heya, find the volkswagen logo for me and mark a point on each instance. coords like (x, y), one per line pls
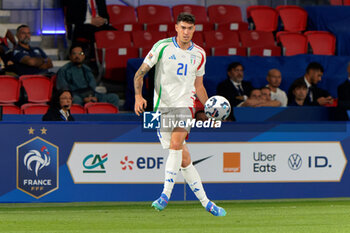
(294, 161)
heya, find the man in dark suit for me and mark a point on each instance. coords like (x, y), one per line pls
(234, 88)
(315, 95)
(344, 97)
(86, 17)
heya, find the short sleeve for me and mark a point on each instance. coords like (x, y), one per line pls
(154, 54)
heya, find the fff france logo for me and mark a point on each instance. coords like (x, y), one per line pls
(37, 167)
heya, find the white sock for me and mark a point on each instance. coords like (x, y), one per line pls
(194, 181)
(172, 168)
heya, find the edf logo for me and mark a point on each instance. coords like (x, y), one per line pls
(37, 167)
(142, 163)
(151, 120)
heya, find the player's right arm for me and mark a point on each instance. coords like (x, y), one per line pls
(140, 102)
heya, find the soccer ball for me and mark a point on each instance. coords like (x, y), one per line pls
(217, 107)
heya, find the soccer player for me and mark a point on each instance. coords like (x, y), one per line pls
(178, 77)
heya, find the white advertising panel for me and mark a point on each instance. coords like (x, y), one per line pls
(215, 162)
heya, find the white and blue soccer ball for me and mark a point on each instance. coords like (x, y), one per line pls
(217, 107)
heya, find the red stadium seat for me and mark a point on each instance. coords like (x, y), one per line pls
(146, 39)
(321, 42)
(229, 51)
(294, 18)
(265, 19)
(10, 109)
(160, 27)
(224, 43)
(199, 12)
(153, 14)
(120, 14)
(77, 109)
(29, 109)
(237, 26)
(114, 62)
(259, 43)
(293, 43)
(253, 7)
(37, 87)
(129, 27)
(112, 39)
(9, 89)
(217, 39)
(100, 108)
(224, 14)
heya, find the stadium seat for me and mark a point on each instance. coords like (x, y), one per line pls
(9, 89)
(293, 43)
(153, 14)
(120, 14)
(123, 18)
(112, 39)
(217, 38)
(30, 108)
(144, 40)
(160, 27)
(77, 109)
(223, 43)
(264, 18)
(224, 14)
(10, 109)
(237, 26)
(199, 12)
(229, 51)
(340, 2)
(321, 42)
(37, 87)
(253, 7)
(114, 62)
(259, 43)
(100, 108)
(294, 18)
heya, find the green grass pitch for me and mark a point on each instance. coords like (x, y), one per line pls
(307, 215)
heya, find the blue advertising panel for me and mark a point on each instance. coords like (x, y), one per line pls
(121, 161)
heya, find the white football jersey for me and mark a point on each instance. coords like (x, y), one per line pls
(176, 71)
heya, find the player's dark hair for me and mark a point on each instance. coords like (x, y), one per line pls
(314, 66)
(21, 26)
(186, 17)
(233, 65)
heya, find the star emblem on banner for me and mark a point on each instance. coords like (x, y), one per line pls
(43, 130)
(31, 130)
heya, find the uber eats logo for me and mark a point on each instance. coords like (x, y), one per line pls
(95, 163)
(264, 162)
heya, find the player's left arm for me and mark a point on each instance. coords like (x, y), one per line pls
(200, 90)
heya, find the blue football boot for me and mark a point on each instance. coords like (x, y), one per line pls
(214, 209)
(161, 202)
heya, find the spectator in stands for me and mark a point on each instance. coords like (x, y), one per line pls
(234, 88)
(60, 107)
(27, 59)
(315, 95)
(5, 52)
(260, 98)
(274, 79)
(344, 97)
(299, 91)
(85, 17)
(78, 78)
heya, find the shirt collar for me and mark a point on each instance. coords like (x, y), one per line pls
(307, 83)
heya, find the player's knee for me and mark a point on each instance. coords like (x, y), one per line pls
(174, 145)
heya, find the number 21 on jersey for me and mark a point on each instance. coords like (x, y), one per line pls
(182, 69)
